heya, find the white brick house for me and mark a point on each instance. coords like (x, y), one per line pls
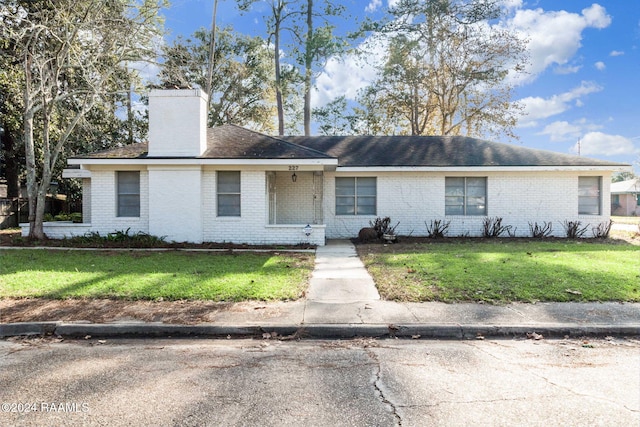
(229, 184)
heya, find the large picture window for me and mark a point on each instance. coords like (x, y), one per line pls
(228, 190)
(589, 195)
(465, 196)
(356, 196)
(128, 185)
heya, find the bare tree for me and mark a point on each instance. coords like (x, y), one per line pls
(71, 53)
(447, 67)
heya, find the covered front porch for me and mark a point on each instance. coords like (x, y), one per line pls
(294, 205)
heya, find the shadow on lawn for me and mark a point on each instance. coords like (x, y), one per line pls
(505, 271)
(152, 275)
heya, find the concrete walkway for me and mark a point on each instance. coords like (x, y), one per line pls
(339, 275)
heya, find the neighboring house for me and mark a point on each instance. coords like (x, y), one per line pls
(229, 184)
(625, 197)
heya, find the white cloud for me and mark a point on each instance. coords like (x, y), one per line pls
(341, 77)
(616, 53)
(565, 131)
(600, 66)
(512, 4)
(373, 6)
(598, 143)
(347, 75)
(567, 69)
(540, 108)
(554, 36)
(562, 131)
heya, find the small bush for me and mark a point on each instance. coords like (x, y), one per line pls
(601, 231)
(118, 239)
(75, 217)
(367, 234)
(437, 229)
(574, 229)
(541, 231)
(492, 227)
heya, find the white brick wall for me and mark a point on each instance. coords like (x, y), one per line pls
(517, 197)
(412, 198)
(104, 217)
(175, 197)
(252, 226)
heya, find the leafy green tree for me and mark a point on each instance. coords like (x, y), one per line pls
(320, 43)
(302, 32)
(334, 118)
(71, 54)
(241, 79)
(10, 141)
(281, 12)
(622, 176)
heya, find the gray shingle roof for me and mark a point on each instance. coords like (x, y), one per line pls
(234, 142)
(226, 142)
(436, 151)
(131, 151)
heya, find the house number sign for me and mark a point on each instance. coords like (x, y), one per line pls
(293, 168)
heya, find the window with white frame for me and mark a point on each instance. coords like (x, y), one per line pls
(356, 196)
(228, 190)
(128, 193)
(589, 190)
(465, 196)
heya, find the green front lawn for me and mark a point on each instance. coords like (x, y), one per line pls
(505, 270)
(153, 275)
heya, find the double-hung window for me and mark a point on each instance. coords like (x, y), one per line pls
(589, 190)
(465, 196)
(228, 190)
(356, 196)
(128, 190)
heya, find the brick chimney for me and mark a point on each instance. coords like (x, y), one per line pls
(177, 122)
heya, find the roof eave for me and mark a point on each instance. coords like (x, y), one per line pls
(544, 168)
(201, 161)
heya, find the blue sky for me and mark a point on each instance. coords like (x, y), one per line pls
(583, 81)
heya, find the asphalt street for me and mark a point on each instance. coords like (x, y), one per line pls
(361, 382)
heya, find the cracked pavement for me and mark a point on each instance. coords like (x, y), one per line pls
(363, 382)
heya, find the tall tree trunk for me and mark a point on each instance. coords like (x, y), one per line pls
(212, 54)
(308, 59)
(130, 115)
(29, 153)
(279, 103)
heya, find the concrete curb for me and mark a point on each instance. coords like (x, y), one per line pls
(27, 328)
(314, 331)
